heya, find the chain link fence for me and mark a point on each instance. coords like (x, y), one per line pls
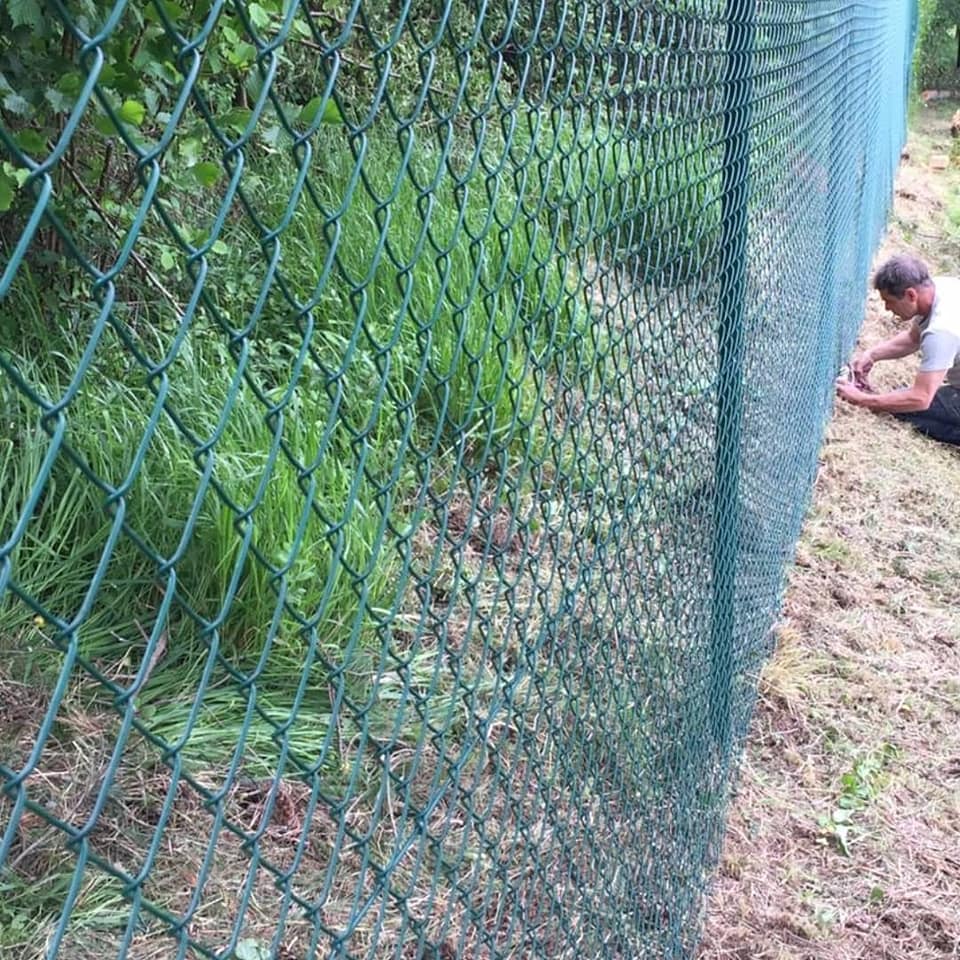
(408, 412)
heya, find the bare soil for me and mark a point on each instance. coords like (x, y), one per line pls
(843, 840)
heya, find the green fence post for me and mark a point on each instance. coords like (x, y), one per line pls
(738, 84)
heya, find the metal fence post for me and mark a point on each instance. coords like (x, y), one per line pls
(738, 91)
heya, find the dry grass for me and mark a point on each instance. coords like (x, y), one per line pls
(866, 677)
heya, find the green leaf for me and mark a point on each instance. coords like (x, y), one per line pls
(18, 105)
(331, 113)
(309, 111)
(173, 10)
(207, 173)
(877, 894)
(191, 149)
(7, 187)
(166, 260)
(236, 120)
(25, 13)
(19, 175)
(60, 101)
(30, 141)
(103, 124)
(127, 80)
(133, 112)
(252, 950)
(258, 16)
(242, 54)
(271, 136)
(253, 84)
(153, 100)
(71, 84)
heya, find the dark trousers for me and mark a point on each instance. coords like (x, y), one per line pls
(941, 420)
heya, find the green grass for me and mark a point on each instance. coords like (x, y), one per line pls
(259, 572)
(269, 495)
(29, 910)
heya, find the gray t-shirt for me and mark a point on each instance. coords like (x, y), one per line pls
(940, 332)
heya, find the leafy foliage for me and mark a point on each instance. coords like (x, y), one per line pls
(100, 106)
(859, 787)
(935, 62)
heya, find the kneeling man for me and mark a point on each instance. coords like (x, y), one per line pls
(931, 306)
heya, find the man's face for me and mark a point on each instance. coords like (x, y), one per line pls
(904, 307)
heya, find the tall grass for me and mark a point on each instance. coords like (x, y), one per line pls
(416, 345)
(267, 464)
(261, 552)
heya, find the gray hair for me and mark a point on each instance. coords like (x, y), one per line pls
(900, 272)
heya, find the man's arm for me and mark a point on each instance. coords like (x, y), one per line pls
(911, 400)
(902, 345)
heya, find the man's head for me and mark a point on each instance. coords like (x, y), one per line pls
(905, 286)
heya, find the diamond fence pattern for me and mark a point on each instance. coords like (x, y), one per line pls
(408, 411)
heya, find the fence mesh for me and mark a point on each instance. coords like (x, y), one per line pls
(408, 411)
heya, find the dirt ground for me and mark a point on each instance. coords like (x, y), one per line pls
(843, 840)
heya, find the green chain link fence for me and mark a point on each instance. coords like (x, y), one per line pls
(408, 411)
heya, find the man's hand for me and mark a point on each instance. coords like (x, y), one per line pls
(848, 391)
(862, 364)
(910, 400)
